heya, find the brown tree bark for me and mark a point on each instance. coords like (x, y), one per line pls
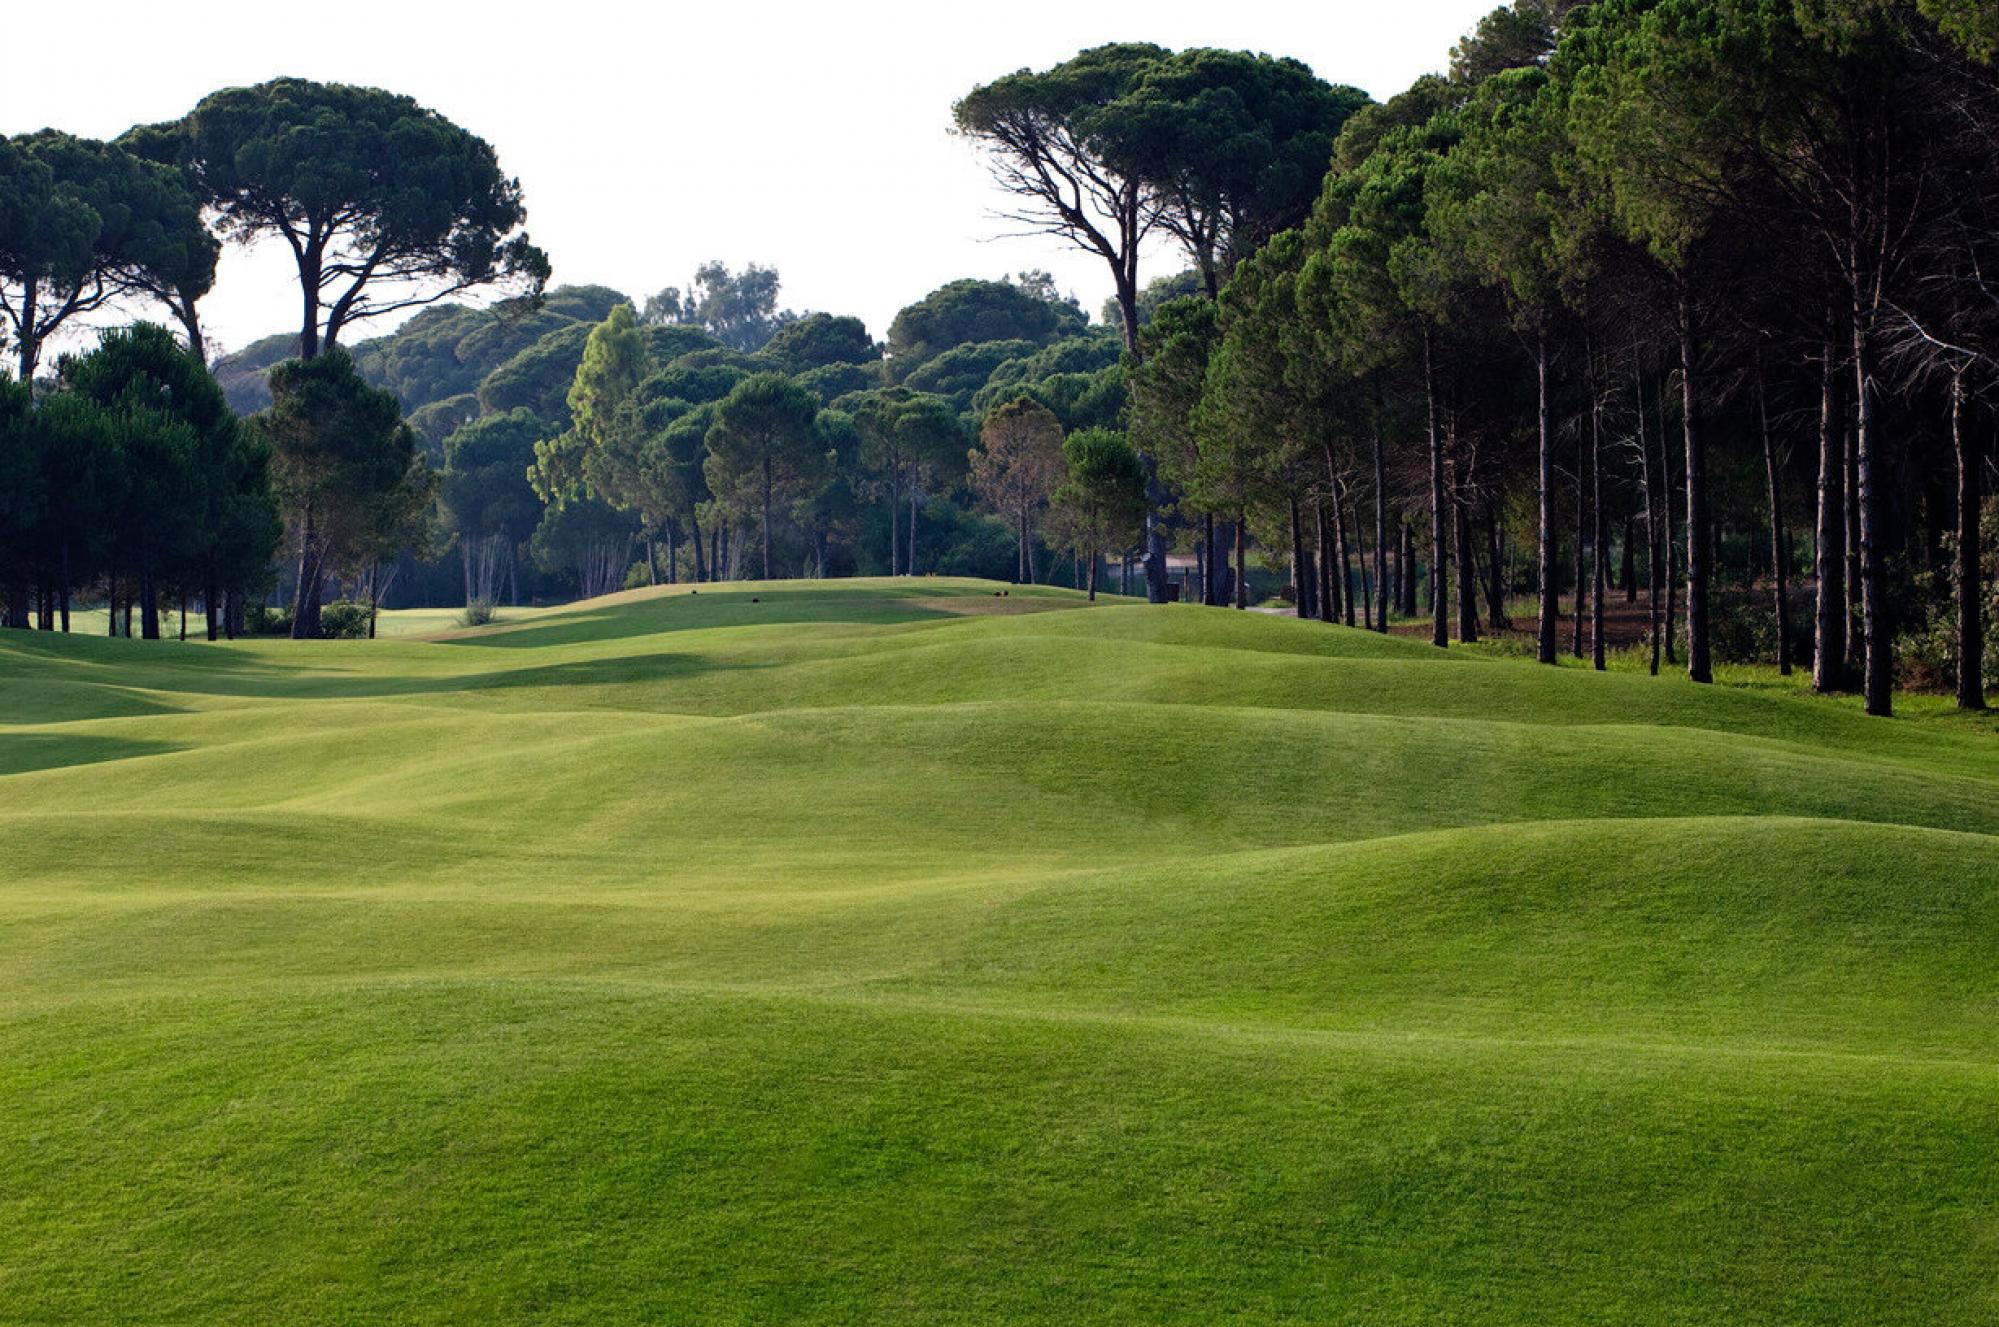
(1551, 604)
(1440, 635)
(1878, 663)
(1775, 483)
(1700, 656)
(1829, 542)
(1970, 597)
(1242, 562)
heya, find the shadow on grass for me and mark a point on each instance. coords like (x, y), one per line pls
(21, 753)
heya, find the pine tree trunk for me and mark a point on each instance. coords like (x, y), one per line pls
(1700, 538)
(1668, 527)
(1551, 604)
(1366, 585)
(1850, 611)
(701, 564)
(149, 598)
(1970, 597)
(1878, 661)
(1654, 568)
(1467, 573)
(1380, 528)
(1599, 557)
(895, 520)
(1406, 574)
(1830, 534)
(1630, 565)
(1582, 546)
(1211, 577)
(1440, 635)
(1241, 562)
(1301, 598)
(305, 599)
(766, 518)
(1328, 599)
(1778, 570)
(1495, 569)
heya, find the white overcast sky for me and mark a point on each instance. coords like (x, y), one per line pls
(811, 137)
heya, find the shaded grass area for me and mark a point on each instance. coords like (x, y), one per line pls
(868, 952)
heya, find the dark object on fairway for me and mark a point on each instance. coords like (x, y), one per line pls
(755, 600)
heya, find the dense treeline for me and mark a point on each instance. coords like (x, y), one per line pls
(1660, 290)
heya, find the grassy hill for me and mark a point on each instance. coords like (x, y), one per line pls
(890, 951)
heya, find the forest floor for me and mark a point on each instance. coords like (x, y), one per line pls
(880, 951)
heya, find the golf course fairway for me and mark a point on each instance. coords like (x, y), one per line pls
(900, 951)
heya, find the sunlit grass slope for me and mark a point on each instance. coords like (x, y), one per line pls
(897, 952)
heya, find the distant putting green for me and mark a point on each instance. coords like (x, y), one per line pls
(896, 951)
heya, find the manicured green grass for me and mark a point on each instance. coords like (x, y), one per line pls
(886, 951)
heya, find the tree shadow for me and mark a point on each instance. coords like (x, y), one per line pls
(21, 753)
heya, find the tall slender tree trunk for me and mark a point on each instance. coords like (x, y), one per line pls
(1211, 575)
(1700, 538)
(1496, 615)
(1328, 600)
(1855, 647)
(1970, 597)
(149, 597)
(1878, 679)
(1829, 531)
(1381, 527)
(1467, 571)
(211, 607)
(1366, 586)
(1654, 570)
(305, 599)
(672, 551)
(1582, 545)
(1095, 558)
(1630, 564)
(1301, 597)
(63, 588)
(1599, 555)
(1551, 604)
(701, 564)
(1440, 635)
(1669, 526)
(766, 517)
(911, 551)
(28, 348)
(1343, 551)
(1241, 561)
(1336, 585)
(1406, 574)
(1780, 572)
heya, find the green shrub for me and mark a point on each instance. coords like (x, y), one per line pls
(345, 620)
(476, 613)
(264, 620)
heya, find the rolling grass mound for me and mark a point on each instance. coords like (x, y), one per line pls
(891, 951)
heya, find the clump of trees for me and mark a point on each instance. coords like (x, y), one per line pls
(131, 474)
(1588, 316)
